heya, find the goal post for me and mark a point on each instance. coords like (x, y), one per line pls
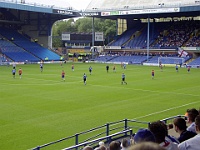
(171, 60)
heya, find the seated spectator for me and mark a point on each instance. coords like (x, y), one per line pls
(191, 114)
(101, 143)
(102, 147)
(124, 144)
(114, 145)
(87, 148)
(146, 146)
(132, 139)
(159, 132)
(180, 127)
(192, 143)
(144, 135)
(167, 136)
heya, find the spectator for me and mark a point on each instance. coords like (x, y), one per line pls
(146, 146)
(101, 143)
(192, 143)
(124, 144)
(144, 135)
(180, 127)
(87, 148)
(132, 139)
(114, 145)
(167, 136)
(191, 114)
(159, 132)
(102, 147)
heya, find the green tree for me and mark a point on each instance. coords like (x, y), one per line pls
(107, 26)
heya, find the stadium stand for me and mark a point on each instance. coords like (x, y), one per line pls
(140, 40)
(16, 53)
(22, 21)
(127, 35)
(164, 35)
(20, 48)
(195, 63)
(134, 4)
(21, 42)
(170, 60)
(177, 34)
(154, 59)
(130, 59)
(104, 58)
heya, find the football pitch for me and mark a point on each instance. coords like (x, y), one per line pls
(40, 107)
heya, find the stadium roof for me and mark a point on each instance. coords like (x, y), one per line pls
(23, 5)
(41, 17)
(113, 9)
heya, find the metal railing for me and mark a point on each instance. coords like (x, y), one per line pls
(106, 132)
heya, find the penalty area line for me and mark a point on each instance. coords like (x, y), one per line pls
(167, 110)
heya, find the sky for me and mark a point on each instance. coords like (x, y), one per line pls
(77, 4)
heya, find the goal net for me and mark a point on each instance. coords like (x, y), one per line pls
(171, 60)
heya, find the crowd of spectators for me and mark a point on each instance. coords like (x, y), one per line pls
(142, 53)
(180, 33)
(156, 137)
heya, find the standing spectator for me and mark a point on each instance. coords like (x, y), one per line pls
(191, 114)
(180, 127)
(192, 143)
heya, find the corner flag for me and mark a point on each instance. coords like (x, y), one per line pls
(182, 53)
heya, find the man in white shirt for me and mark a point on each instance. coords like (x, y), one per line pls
(191, 114)
(193, 143)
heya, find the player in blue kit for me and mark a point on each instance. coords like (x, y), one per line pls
(84, 78)
(123, 79)
(90, 70)
(41, 67)
(13, 72)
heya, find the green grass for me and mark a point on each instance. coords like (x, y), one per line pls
(40, 108)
